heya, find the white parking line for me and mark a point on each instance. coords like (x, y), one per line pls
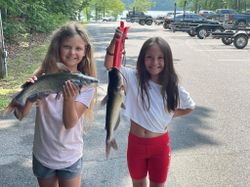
(233, 60)
(223, 50)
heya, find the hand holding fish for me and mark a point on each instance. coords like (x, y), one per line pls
(115, 92)
(70, 90)
(31, 79)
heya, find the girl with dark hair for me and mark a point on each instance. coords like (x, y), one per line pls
(153, 98)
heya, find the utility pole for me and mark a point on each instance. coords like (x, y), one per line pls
(184, 9)
(3, 53)
(174, 10)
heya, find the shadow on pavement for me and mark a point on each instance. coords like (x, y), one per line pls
(187, 132)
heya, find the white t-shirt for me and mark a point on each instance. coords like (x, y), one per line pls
(55, 146)
(155, 119)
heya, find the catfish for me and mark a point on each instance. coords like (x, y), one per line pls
(45, 85)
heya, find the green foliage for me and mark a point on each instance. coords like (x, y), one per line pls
(13, 29)
(196, 5)
(29, 16)
(20, 69)
(141, 5)
(107, 7)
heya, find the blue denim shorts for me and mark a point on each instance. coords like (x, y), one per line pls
(70, 172)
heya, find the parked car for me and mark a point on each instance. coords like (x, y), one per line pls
(194, 25)
(232, 19)
(207, 13)
(107, 19)
(169, 14)
(139, 17)
(238, 20)
(186, 18)
(221, 14)
(159, 20)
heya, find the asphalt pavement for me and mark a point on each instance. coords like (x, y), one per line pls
(210, 147)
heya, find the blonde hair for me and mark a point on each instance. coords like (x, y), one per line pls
(87, 66)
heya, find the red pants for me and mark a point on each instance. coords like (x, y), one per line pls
(150, 155)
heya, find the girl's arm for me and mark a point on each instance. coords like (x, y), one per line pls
(72, 110)
(108, 61)
(182, 112)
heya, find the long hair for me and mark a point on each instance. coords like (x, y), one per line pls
(86, 66)
(168, 77)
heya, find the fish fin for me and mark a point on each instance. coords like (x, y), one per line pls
(110, 144)
(123, 106)
(58, 96)
(124, 90)
(18, 114)
(104, 100)
(36, 97)
(61, 67)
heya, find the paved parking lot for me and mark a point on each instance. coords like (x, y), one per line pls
(210, 147)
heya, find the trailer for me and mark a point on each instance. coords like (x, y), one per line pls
(202, 30)
(238, 37)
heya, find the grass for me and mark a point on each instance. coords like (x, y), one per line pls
(20, 68)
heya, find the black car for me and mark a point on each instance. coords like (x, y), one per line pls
(194, 25)
(194, 19)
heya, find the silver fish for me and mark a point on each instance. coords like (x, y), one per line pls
(113, 100)
(45, 85)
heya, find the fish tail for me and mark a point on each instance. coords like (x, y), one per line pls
(15, 108)
(10, 108)
(109, 145)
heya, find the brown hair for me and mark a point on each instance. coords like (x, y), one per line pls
(168, 77)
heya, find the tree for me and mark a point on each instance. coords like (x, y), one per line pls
(107, 7)
(141, 5)
(195, 5)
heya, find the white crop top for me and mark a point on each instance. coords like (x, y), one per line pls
(54, 146)
(155, 119)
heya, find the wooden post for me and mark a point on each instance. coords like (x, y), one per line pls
(3, 53)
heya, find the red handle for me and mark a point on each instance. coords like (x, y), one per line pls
(119, 46)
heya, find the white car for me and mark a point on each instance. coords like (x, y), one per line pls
(107, 19)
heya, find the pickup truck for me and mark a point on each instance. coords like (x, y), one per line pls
(231, 19)
(221, 14)
(139, 17)
(239, 20)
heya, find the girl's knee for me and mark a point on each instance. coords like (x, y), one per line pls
(139, 182)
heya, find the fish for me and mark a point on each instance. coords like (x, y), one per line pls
(45, 85)
(114, 102)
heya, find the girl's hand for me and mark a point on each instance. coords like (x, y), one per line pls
(70, 90)
(31, 79)
(118, 33)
